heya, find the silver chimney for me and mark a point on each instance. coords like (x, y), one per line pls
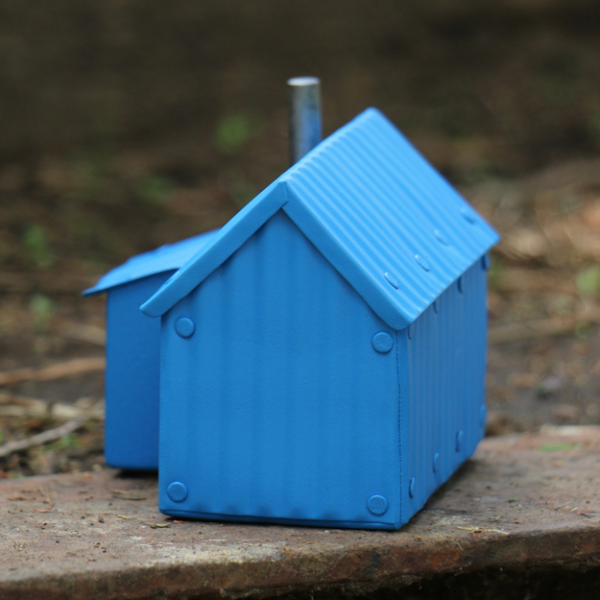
(305, 115)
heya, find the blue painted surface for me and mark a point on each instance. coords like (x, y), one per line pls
(279, 408)
(338, 348)
(132, 377)
(132, 354)
(442, 370)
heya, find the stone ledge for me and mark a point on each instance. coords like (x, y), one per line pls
(529, 502)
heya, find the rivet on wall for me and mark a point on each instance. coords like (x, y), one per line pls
(382, 342)
(377, 505)
(185, 327)
(411, 487)
(459, 440)
(177, 491)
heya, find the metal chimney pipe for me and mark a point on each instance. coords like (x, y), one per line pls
(305, 115)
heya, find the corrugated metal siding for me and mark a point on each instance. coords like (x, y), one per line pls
(278, 407)
(444, 369)
(382, 203)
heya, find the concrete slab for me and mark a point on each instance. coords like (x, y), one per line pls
(523, 503)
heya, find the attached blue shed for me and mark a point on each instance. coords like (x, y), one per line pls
(323, 355)
(133, 351)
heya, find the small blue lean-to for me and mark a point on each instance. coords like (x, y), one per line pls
(133, 351)
(322, 355)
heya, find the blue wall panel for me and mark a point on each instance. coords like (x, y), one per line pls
(278, 407)
(133, 350)
(442, 386)
(132, 377)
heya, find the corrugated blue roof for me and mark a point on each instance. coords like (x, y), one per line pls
(169, 257)
(392, 226)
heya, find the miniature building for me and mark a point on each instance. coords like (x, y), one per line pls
(323, 354)
(132, 353)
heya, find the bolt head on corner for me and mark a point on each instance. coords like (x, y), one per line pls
(382, 342)
(177, 491)
(377, 505)
(185, 327)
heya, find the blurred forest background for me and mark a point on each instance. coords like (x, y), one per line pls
(127, 124)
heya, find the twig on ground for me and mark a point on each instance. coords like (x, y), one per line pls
(128, 494)
(20, 406)
(543, 327)
(156, 525)
(85, 333)
(476, 529)
(69, 368)
(532, 329)
(18, 282)
(41, 438)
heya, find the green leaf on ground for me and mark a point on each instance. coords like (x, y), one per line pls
(42, 309)
(232, 132)
(38, 249)
(154, 189)
(588, 280)
(556, 447)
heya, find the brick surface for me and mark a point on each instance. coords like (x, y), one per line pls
(522, 502)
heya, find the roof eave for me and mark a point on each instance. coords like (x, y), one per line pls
(233, 234)
(342, 262)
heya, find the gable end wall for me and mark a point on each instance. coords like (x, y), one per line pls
(278, 407)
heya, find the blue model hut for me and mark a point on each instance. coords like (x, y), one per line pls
(132, 353)
(323, 355)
